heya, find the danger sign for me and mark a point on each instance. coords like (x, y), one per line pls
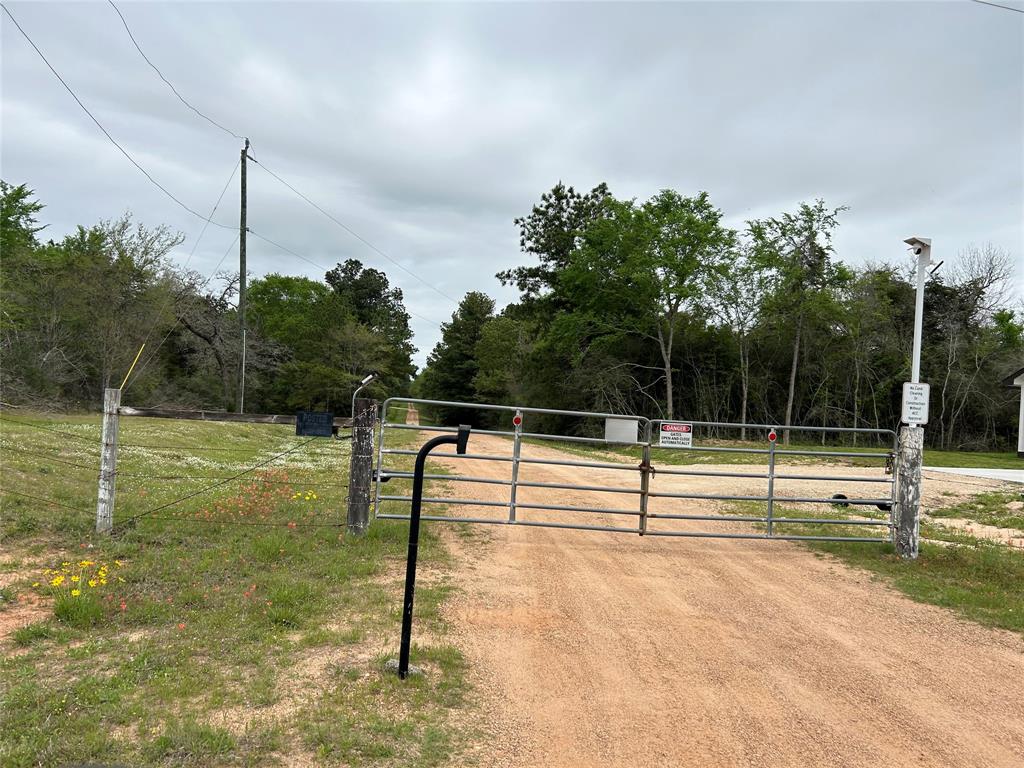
(675, 434)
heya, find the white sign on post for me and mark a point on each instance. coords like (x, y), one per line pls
(675, 434)
(621, 430)
(915, 403)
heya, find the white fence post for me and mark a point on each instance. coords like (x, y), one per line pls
(108, 462)
(908, 489)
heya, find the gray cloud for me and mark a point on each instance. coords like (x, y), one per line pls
(428, 128)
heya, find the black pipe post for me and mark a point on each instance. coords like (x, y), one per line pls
(460, 441)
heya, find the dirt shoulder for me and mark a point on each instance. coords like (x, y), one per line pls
(615, 650)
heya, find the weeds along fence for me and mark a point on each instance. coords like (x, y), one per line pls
(188, 470)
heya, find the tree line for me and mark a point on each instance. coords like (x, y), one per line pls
(74, 313)
(656, 308)
(653, 308)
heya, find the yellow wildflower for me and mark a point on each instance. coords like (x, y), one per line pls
(65, 564)
(76, 592)
(117, 563)
(76, 579)
(103, 581)
(93, 582)
(85, 563)
(36, 584)
(56, 581)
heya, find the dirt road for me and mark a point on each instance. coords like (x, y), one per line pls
(596, 649)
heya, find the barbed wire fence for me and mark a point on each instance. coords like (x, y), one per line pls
(268, 472)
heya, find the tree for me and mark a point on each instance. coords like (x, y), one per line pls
(738, 297)
(642, 268)
(380, 308)
(452, 367)
(796, 249)
(553, 232)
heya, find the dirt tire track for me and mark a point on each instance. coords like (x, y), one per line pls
(615, 650)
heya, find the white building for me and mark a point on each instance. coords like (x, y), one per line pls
(1017, 380)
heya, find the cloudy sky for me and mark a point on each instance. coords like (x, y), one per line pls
(426, 128)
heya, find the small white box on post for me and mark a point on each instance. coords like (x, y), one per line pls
(621, 430)
(108, 462)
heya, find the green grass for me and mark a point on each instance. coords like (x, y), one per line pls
(974, 459)
(989, 509)
(224, 644)
(979, 580)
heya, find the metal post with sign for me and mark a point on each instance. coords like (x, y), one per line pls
(914, 414)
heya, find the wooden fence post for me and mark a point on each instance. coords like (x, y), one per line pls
(108, 462)
(908, 491)
(361, 466)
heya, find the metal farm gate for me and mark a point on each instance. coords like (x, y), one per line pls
(646, 489)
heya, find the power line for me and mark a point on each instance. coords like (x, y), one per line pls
(286, 249)
(997, 5)
(166, 81)
(195, 300)
(106, 133)
(306, 198)
(195, 245)
(356, 235)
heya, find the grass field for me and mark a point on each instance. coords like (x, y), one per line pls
(980, 580)
(239, 627)
(1002, 510)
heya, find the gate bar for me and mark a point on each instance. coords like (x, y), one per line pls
(751, 519)
(766, 537)
(530, 523)
(464, 502)
(398, 475)
(568, 487)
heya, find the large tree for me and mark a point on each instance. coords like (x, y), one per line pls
(796, 249)
(452, 367)
(642, 268)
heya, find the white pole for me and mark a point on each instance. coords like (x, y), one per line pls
(924, 258)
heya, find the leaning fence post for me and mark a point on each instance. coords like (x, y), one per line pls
(361, 465)
(908, 491)
(108, 462)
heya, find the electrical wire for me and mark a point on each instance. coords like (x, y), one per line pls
(286, 249)
(168, 82)
(997, 5)
(195, 300)
(305, 197)
(195, 245)
(106, 133)
(356, 235)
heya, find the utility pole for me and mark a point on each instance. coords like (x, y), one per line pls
(242, 229)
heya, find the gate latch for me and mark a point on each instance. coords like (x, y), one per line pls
(646, 466)
(890, 464)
